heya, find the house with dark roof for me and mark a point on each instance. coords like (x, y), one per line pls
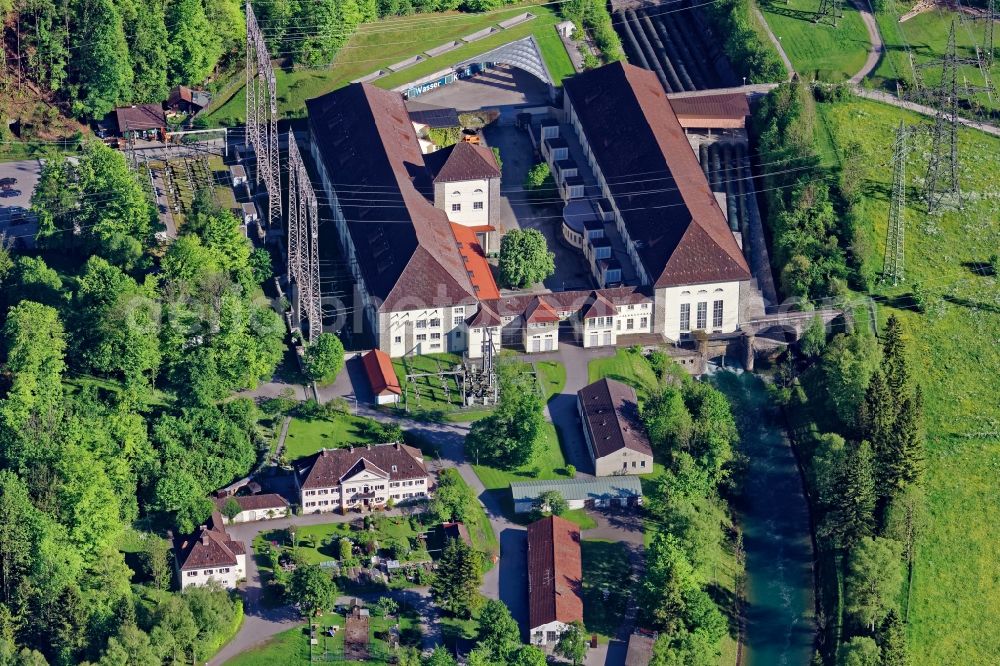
(677, 237)
(265, 506)
(466, 180)
(616, 439)
(555, 578)
(361, 478)
(416, 238)
(210, 555)
(141, 121)
(415, 287)
(183, 99)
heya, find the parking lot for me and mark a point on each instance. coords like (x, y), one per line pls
(16, 220)
(500, 87)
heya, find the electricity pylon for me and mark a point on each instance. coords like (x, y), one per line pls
(892, 267)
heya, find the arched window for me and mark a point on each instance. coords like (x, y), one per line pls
(478, 191)
(456, 193)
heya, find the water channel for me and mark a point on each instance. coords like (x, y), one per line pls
(775, 521)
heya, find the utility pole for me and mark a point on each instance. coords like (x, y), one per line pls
(262, 117)
(892, 267)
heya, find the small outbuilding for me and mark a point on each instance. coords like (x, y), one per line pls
(598, 492)
(640, 648)
(255, 507)
(382, 377)
(238, 175)
(187, 100)
(616, 438)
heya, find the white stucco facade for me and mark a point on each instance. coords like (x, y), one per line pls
(467, 202)
(547, 634)
(713, 308)
(227, 576)
(366, 488)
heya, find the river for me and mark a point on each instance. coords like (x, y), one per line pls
(774, 517)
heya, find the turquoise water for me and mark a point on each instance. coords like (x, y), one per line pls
(774, 517)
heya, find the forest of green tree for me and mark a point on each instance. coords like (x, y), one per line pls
(116, 356)
(98, 54)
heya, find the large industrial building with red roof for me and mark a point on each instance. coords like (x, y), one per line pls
(416, 228)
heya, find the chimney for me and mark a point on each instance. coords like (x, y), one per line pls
(204, 535)
(369, 446)
(397, 446)
(350, 448)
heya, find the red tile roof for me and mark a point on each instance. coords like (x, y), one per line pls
(555, 572)
(326, 468)
(611, 411)
(631, 129)
(462, 161)
(475, 262)
(725, 111)
(381, 373)
(540, 312)
(209, 546)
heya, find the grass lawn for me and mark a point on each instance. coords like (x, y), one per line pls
(954, 607)
(818, 51)
(927, 37)
(552, 377)
(626, 366)
(549, 463)
(382, 43)
(307, 436)
(607, 586)
(319, 543)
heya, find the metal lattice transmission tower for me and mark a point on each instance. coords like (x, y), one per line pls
(262, 117)
(988, 35)
(942, 167)
(829, 9)
(892, 267)
(303, 242)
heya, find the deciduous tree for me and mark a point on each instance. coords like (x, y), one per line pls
(524, 258)
(312, 588)
(874, 579)
(573, 643)
(324, 358)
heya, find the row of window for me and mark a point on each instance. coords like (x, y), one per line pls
(701, 316)
(208, 572)
(599, 322)
(630, 323)
(642, 463)
(476, 205)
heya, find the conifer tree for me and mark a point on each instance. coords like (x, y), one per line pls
(853, 515)
(907, 450)
(892, 639)
(878, 417)
(894, 359)
(459, 574)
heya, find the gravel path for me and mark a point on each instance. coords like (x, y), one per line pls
(878, 47)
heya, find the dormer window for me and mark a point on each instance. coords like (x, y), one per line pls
(393, 468)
